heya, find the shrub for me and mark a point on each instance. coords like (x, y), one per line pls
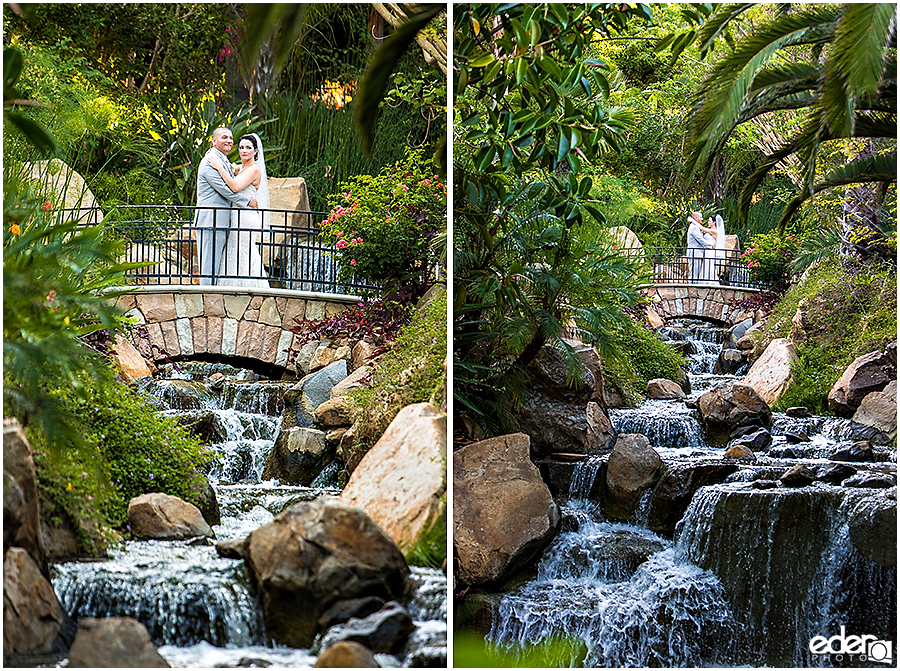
(411, 372)
(769, 258)
(643, 356)
(382, 226)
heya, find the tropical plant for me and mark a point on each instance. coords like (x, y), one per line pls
(769, 258)
(382, 226)
(529, 114)
(833, 65)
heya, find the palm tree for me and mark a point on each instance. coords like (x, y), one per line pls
(835, 66)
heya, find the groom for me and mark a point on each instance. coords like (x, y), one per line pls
(699, 239)
(212, 192)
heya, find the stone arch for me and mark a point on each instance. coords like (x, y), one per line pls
(224, 322)
(712, 303)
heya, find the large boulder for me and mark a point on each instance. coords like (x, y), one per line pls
(503, 513)
(402, 481)
(601, 435)
(770, 375)
(873, 529)
(21, 507)
(870, 372)
(553, 412)
(729, 361)
(878, 410)
(313, 555)
(633, 467)
(730, 406)
(313, 390)
(298, 456)
(33, 619)
(336, 411)
(163, 517)
(114, 643)
(65, 188)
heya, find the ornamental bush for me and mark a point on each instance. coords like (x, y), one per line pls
(382, 226)
(769, 258)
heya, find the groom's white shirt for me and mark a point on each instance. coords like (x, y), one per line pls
(213, 225)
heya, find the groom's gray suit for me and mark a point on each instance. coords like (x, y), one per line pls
(212, 225)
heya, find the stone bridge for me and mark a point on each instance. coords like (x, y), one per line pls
(246, 327)
(710, 302)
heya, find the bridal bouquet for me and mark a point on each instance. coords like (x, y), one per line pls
(381, 226)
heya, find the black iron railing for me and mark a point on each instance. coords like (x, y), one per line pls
(275, 248)
(677, 265)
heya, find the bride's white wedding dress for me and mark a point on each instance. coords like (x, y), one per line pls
(242, 257)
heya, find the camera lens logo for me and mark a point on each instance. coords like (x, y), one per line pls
(862, 648)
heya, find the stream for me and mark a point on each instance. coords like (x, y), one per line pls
(198, 607)
(753, 571)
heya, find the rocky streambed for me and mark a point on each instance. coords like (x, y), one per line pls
(698, 529)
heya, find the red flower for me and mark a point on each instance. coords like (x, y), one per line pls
(46, 207)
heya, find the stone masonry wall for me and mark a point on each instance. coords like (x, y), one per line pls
(713, 303)
(188, 324)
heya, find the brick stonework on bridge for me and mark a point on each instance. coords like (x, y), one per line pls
(228, 322)
(716, 304)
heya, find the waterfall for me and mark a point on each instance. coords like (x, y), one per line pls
(583, 477)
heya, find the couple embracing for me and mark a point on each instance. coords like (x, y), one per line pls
(228, 220)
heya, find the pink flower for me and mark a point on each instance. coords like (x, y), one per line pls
(358, 240)
(352, 262)
(51, 295)
(341, 244)
(340, 235)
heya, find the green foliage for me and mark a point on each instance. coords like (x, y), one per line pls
(530, 113)
(412, 371)
(644, 356)
(53, 273)
(471, 650)
(847, 312)
(183, 132)
(769, 258)
(837, 64)
(382, 226)
(144, 451)
(431, 549)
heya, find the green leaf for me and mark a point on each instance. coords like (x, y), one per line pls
(563, 146)
(12, 69)
(482, 60)
(36, 134)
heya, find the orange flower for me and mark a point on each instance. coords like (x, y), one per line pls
(14, 229)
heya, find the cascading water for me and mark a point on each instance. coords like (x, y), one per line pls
(752, 574)
(197, 606)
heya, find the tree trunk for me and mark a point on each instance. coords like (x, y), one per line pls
(859, 223)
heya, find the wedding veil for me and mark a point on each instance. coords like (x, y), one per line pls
(262, 193)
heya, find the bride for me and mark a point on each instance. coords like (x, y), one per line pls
(242, 256)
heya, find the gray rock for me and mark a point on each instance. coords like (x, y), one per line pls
(729, 361)
(870, 481)
(676, 488)
(233, 548)
(873, 529)
(729, 406)
(384, 631)
(764, 484)
(798, 411)
(878, 410)
(869, 373)
(313, 390)
(858, 452)
(738, 331)
(835, 473)
(757, 441)
(795, 437)
(345, 609)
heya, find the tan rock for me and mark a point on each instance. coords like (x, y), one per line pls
(401, 481)
(198, 327)
(740, 452)
(160, 516)
(214, 335)
(116, 643)
(268, 312)
(770, 376)
(32, 615)
(363, 352)
(353, 381)
(294, 309)
(157, 307)
(128, 360)
(244, 333)
(343, 352)
(868, 373)
(21, 505)
(322, 357)
(65, 189)
(170, 338)
(660, 388)
(879, 410)
(235, 305)
(347, 655)
(214, 305)
(633, 466)
(271, 338)
(189, 305)
(334, 308)
(336, 411)
(653, 318)
(155, 337)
